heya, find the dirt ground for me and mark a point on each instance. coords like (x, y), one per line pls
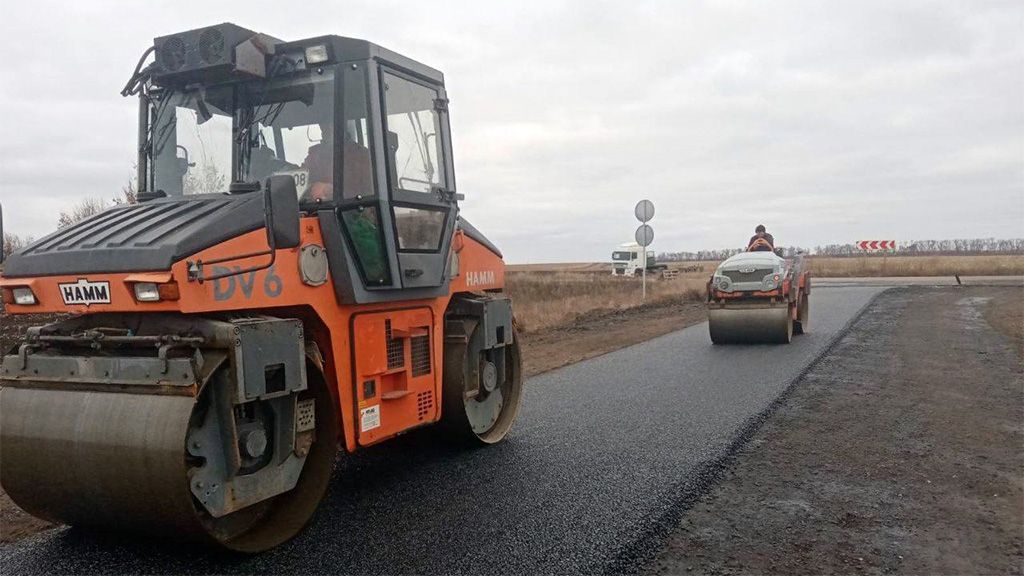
(902, 451)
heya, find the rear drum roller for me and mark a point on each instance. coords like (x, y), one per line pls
(119, 461)
(481, 397)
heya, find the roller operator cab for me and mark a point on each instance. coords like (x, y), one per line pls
(295, 277)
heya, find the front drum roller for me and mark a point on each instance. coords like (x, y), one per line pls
(750, 325)
(482, 388)
(119, 461)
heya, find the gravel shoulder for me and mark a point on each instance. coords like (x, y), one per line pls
(901, 451)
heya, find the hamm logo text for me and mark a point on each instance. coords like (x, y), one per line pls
(85, 292)
(476, 278)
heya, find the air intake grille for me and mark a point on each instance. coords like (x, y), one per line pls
(755, 276)
(211, 46)
(424, 404)
(172, 53)
(420, 355)
(396, 348)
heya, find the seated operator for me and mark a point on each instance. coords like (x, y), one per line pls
(761, 241)
(357, 172)
(357, 180)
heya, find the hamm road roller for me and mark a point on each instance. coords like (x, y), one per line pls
(758, 297)
(295, 279)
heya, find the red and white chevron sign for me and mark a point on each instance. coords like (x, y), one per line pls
(877, 244)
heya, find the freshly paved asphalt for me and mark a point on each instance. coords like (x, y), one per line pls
(601, 455)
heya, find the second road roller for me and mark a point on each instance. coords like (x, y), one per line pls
(295, 279)
(758, 297)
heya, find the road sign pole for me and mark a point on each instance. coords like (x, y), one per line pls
(644, 235)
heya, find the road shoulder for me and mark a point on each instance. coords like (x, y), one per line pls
(603, 331)
(900, 451)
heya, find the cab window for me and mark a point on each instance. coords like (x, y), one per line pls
(413, 138)
(362, 225)
(419, 229)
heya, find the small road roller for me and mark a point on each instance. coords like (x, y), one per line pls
(758, 297)
(294, 280)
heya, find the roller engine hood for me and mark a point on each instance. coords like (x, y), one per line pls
(144, 237)
(759, 260)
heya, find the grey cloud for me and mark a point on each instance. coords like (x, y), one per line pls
(828, 122)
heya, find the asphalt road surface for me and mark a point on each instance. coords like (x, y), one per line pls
(603, 456)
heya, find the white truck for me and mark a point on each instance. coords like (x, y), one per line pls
(630, 260)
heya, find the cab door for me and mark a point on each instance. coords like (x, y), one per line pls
(420, 178)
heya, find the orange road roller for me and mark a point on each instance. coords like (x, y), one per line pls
(294, 279)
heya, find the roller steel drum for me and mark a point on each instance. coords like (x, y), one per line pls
(738, 325)
(97, 458)
(118, 461)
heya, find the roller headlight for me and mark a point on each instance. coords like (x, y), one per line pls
(147, 292)
(23, 296)
(316, 54)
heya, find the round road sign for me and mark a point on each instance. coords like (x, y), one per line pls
(644, 235)
(644, 210)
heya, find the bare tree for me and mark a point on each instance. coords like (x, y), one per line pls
(13, 243)
(91, 206)
(907, 248)
(209, 180)
(85, 208)
(129, 192)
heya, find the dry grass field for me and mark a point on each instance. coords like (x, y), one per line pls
(550, 295)
(997, 265)
(549, 299)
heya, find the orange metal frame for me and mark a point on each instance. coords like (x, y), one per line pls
(352, 339)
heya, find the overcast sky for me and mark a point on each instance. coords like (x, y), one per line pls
(829, 122)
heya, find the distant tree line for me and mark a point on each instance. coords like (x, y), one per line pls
(959, 246)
